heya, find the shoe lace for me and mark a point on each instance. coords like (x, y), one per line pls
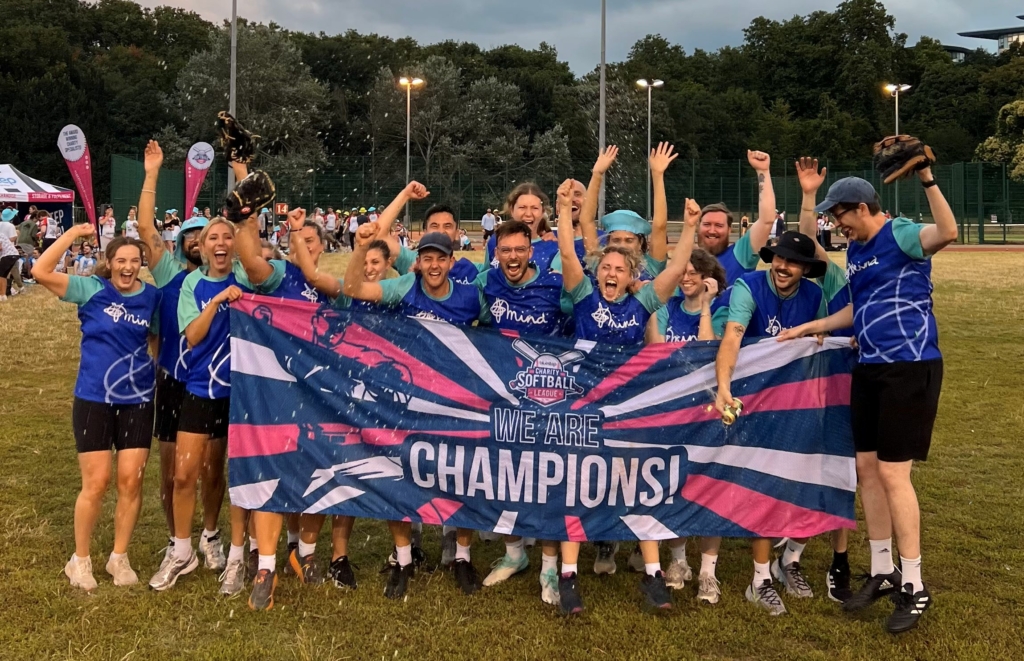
(709, 584)
(902, 600)
(231, 572)
(550, 579)
(797, 577)
(768, 595)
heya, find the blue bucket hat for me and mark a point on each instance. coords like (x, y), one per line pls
(194, 223)
(626, 221)
(264, 210)
(372, 209)
(9, 214)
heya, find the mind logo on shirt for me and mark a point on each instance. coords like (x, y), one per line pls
(500, 309)
(774, 327)
(603, 317)
(310, 294)
(117, 312)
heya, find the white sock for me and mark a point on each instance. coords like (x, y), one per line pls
(762, 573)
(306, 549)
(253, 544)
(207, 534)
(548, 563)
(118, 556)
(236, 553)
(568, 569)
(911, 569)
(461, 552)
(268, 562)
(679, 553)
(881, 557)
(76, 559)
(182, 547)
(404, 555)
(652, 568)
(293, 537)
(514, 550)
(792, 552)
(708, 564)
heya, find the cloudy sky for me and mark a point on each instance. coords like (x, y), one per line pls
(573, 26)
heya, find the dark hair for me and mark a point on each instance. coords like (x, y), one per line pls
(708, 266)
(510, 228)
(439, 208)
(383, 247)
(529, 188)
(717, 207)
(316, 226)
(103, 268)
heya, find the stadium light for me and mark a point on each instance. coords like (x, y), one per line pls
(894, 90)
(649, 85)
(408, 84)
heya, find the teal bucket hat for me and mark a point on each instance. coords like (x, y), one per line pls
(626, 221)
(194, 223)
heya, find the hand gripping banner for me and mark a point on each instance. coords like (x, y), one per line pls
(397, 418)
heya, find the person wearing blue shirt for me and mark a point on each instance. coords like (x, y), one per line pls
(528, 204)
(608, 312)
(113, 404)
(429, 293)
(894, 394)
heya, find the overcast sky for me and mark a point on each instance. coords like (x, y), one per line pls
(573, 26)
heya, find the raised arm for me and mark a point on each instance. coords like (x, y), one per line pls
(355, 284)
(250, 251)
(760, 229)
(725, 363)
(667, 281)
(153, 159)
(588, 212)
(572, 270)
(660, 159)
(45, 269)
(413, 192)
(810, 181)
(299, 253)
(944, 232)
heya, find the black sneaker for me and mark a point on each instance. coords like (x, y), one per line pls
(838, 582)
(465, 576)
(398, 581)
(909, 608)
(419, 558)
(874, 588)
(287, 570)
(341, 573)
(306, 568)
(262, 596)
(656, 593)
(252, 564)
(569, 594)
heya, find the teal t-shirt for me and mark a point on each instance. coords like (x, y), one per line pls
(395, 289)
(745, 254)
(82, 288)
(166, 269)
(646, 295)
(742, 304)
(188, 309)
(908, 237)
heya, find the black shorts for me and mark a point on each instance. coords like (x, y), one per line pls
(7, 264)
(204, 416)
(168, 399)
(893, 408)
(100, 427)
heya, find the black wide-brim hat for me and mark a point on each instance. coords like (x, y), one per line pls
(796, 247)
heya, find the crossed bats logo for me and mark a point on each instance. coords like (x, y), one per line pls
(546, 380)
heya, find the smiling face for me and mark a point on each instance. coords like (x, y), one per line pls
(528, 209)
(309, 236)
(579, 194)
(434, 267)
(375, 265)
(219, 248)
(713, 232)
(124, 268)
(86, 249)
(853, 222)
(786, 275)
(692, 282)
(190, 246)
(444, 222)
(613, 276)
(514, 253)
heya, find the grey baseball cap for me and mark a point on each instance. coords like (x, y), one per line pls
(435, 241)
(848, 190)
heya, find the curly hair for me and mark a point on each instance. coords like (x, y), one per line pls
(708, 266)
(529, 188)
(594, 259)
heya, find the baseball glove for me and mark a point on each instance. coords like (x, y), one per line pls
(249, 196)
(899, 156)
(239, 145)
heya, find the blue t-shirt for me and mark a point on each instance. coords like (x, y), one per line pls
(288, 282)
(116, 367)
(544, 252)
(737, 259)
(461, 306)
(537, 306)
(678, 324)
(463, 271)
(891, 285)
(622, 321)
(755, 304)
(169, 274)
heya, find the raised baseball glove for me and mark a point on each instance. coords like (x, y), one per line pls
(239, 144)
(249, 196)
(900, 156)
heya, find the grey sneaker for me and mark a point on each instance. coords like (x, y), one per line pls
(232, 581)
(175, 567)
(448, 548)
(79, 572)
(677, 574)
(636, 560)
(792, 578)
(213, 553)
(168, 550)
(766, 597)
(122, 571)
(262, 596)
(604, 563)
(709, 589)
(306, 568)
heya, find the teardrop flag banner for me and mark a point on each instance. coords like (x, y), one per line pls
(200, 158)
(72, 144)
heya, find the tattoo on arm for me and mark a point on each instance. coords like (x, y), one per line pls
(739, 330)
(760, 186)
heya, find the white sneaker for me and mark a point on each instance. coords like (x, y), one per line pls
(765, 596)
(232, 581)
(677, 574)
(549, 588)
(505, 568)
(79, 572)
(122, 571)
(709, 589)
(213, 553)
(175, 568)
(604, 563)
(168, 550)
(636, 561)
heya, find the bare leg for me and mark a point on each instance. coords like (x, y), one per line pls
(268, 531)
(188, 459)
(341, 531)
(167, 484)
(570, 552)
(873, 496)
(762, 550)
(903, 507)
(95, 468)
(649, 550)
(464, 536)
(840, 539)
(401, 532)
(214, 482)
(710, 545)
(310, 526)
(131, 467)
(239, 525)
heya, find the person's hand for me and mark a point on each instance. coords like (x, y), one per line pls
(84, 230)
(662, 157)
(153, 157)
(710, 290)
(296, 219)
(723, 399)
(691, 212)
(605, 159)
(565, 196)
(230, 295)
(793, 333)
(807, 172)
(925, 174)
(415, 191)
(759, 160)
(366, 234)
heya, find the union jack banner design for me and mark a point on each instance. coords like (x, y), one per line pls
(397, 418)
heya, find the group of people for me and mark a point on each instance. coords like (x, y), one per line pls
(550, 270)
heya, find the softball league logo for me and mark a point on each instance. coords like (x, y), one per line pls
(200, 155)
(546, 380)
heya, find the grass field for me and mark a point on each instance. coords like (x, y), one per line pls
(970, 490)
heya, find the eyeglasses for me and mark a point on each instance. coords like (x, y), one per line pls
(835, 217)
(520, 251)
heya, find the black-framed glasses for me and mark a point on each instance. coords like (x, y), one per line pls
(836, 216)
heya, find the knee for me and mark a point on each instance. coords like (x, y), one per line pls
(185, 479)
(893, 475)
(129, 486)
(867, 470)
(95, 486)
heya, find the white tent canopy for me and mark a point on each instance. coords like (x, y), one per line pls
(16, 186)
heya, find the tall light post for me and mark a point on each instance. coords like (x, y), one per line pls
(601, 107)
(894, 90)
(231, 85)
(408, 84)
(649, 85)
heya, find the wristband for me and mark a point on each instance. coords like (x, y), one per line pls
(929, 184)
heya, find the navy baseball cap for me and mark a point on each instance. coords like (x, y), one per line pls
(848, 190)
(435, 241)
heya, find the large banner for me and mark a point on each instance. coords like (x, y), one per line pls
(398, 418)
(200, 158)
(75, 150)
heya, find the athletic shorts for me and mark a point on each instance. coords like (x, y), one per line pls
(893, 408)
(6, 264)
(169, 396)
(100, 427)
(204, 416)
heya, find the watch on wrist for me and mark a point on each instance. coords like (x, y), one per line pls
(929, 183)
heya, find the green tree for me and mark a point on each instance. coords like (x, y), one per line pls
(1007, 145)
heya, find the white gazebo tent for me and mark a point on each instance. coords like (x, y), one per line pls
(16, 186)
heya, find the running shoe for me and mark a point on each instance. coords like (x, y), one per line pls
(252, 564)
(656, 593)
(305, 567)
(793, 578)
(79, 572)
(910, 606)
(287, 569)
(448, 543)
(213, 553)
(168, 550)
(341, 573)
(175, 568)
(505, 568)
(766, 597)
(677, 574)
(604, 563)
(549, 587)
(398, 581)
(465, 576)
(262, 596)
(709, 589)
(419, 558)
(232, 580)
(874, 588)
(121, 570)
(636, 561)
(838, 581)
(569, 594)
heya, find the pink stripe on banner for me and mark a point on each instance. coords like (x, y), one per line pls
(438, 510)
(760, 514)
(349, 435)
(629, 370)
(574, 529)
(261, 440)
(798, 396)
(398, 436)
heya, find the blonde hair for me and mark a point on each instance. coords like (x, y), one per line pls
(529, 188)
(217, 220)
(632, 259)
